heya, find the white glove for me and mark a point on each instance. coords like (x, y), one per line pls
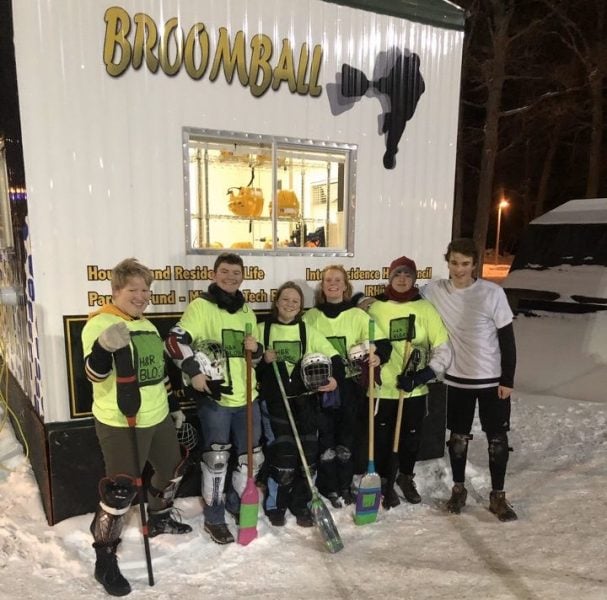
(179, 418)
(116, 336)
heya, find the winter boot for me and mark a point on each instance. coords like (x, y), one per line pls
(458, 499)
(408, 487)
(163, 521)
(500, 507)
(305, 519)
(389, 496)
(334, 500)
(219, 533)
(107, 572)
(276, 517)
(348, 496)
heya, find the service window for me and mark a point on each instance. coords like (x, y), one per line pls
(6, 229)
(264, 194)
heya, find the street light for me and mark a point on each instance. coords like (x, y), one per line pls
(503, 204)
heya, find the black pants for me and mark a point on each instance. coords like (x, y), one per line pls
(414, 412)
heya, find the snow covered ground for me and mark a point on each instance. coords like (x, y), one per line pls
(557, 481)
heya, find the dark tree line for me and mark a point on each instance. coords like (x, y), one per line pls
(532, 125)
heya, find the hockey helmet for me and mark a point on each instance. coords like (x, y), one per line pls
(211, 357)
(287, 203)
(248, 202)
(315, 370)
(187, 436)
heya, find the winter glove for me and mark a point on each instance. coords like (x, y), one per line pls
(408, 382)
(116, 336)
(178, 418)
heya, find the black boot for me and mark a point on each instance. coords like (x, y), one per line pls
(219, 533)
(500, 507)
(164, 521)
(348, 496)
(107, 572)
(458, 499)
(389, 496)
(408, 487)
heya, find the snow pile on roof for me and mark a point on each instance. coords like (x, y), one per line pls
(590, 210)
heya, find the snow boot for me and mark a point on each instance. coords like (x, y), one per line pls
(276, 517)
(408, 488)
(348, 496)
(500, 507)
(107, 572)
(219, 533)
(389, 496)
(305, 519)
(334, 500)
(163, 521)
(458, 499)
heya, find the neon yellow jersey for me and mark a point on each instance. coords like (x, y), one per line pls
(348, 328)
(205, 321)
(393, 318)
(147, 351)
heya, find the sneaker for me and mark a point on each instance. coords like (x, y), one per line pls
(500, 507)
(389, 496)
(458, 499)
(219, 532)
(276, 517)
(408, 488)
(167, 521)
(348, 496)
(305, 519)
(334, 500)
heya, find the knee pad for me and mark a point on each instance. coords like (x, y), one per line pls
(458, 444)
(240, 474)
(214, 467)
(282, 476)
(216, 459)
(168, 493)
(328, 455)
(498, 448)
(344, 454)
(116, 496)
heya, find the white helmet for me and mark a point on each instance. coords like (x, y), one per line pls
(315, 370)
(211, 357)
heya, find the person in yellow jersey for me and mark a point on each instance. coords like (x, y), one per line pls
(124, 361)
(414, 328)
(309, 367)
(213, 331)
(346, 327)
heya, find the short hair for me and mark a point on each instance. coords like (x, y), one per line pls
(127, 269)
(229, 258)
(319, 295)
(288, 285)
(465, 246)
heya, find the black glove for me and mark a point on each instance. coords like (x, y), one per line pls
(408, 382)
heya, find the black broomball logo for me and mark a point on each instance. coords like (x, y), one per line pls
(397, 82)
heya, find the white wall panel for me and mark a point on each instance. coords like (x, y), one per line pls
(103, 155)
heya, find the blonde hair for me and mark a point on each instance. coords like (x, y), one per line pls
(319, 295)
(127, 269)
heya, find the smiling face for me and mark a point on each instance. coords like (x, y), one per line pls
(288, 305)
(228, 277)
(402, 281)
(334, 285)
(133, 298)
(461, 269)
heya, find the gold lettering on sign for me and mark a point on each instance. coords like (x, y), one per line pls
(168, 48)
